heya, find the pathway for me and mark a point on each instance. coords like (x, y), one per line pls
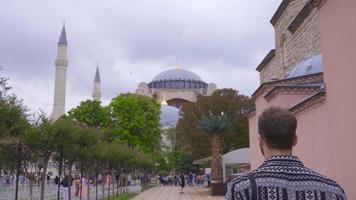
(172, 193)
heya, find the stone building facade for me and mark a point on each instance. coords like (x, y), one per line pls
(319, 90)
(297, 37)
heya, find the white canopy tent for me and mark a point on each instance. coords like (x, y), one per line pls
(238, 156)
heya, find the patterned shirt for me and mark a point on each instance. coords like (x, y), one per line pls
(285, 178)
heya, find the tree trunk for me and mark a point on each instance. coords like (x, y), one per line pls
(88, 185)
(70, 182)
(113, 184)
(59, 179)
(43, 176)
(216, 160)
(117, 178)
(109, 174)
(18, 168)
(81, 180)
(96, 179)
(31, 191)
(103, 182)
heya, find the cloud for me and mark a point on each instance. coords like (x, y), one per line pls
(132, 40)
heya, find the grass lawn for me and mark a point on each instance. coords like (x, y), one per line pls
(125, 197)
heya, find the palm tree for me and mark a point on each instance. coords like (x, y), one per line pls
(215, 125)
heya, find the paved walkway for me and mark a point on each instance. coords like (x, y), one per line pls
(172, 193)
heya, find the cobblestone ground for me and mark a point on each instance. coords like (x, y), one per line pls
(172, 193)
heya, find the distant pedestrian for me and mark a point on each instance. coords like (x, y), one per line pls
(65, 185)
(208, 179)
(182, 182)
(77, 186)
(48, 180)
(56, 180)
(176, 180)
(190, 179)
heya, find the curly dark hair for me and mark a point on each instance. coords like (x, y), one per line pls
(278, 127)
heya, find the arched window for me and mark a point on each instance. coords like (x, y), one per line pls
(283, 48)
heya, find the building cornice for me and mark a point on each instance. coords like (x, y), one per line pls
(309, 103)
(277, 15)
(310, 78)
(302, 16)
(266, 60)
(251, 113)
(292, 89)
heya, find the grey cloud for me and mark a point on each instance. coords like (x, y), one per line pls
(215, 38)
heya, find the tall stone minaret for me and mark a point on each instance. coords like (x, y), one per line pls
(61, 77)
(97, 91)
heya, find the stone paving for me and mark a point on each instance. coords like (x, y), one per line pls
(172, 193)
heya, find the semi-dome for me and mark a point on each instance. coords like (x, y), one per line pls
(169, 116)
(177, 79)
(311, 65)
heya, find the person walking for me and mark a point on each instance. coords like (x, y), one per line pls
(77, 186)
(56, 180)
(182, 182)
(282, 176)
(65, 185)
(48, 179)
(190, 179)
(84, 187)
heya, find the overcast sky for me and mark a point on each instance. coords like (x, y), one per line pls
(132, 40)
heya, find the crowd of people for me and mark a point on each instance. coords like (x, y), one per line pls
(182, 179)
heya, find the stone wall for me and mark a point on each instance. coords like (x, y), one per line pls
(292, 48)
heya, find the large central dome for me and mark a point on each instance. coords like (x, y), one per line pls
(177, 74)
(177, 79)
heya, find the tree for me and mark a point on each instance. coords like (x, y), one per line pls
(215, 125)
(91, 113)
(13, 124)
(63, 151)
(136, 121)
(192, 137)
(43, 140)
(86, 140)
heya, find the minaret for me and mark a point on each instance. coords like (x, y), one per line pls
(97, 92)
(61, 77)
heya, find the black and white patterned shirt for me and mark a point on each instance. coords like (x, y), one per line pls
(285, 178)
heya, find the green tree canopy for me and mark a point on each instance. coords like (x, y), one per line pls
(227, 101)
(91, 113)
(135, 121)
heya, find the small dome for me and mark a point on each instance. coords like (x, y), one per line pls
(176, 74)
(311, 65)
(169, 116)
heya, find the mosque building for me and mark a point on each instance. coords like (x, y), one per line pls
(171, 88)
(176, 86)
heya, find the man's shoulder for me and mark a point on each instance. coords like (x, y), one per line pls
(326, 180)
(241, 180)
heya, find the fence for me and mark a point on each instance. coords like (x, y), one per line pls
(7, 192)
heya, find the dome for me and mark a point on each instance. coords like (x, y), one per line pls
(311, 65)
(169, 116)
(176, 74)
(177, 79)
